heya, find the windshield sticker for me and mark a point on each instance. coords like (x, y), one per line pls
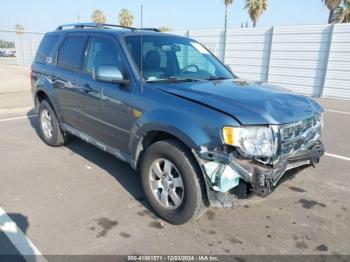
(200, 48)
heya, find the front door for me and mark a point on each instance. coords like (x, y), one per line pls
(101, 108)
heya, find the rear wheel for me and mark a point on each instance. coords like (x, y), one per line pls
(50, 130)
(171, 182)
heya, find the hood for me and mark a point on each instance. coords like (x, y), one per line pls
(251, 103)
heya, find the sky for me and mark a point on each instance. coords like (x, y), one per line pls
(43, 15)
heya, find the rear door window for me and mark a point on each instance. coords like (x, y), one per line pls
(71, 52)
(45, 49)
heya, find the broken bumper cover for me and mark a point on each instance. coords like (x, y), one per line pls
(264, 180)
(261, 179)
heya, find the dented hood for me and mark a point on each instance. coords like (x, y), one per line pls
(251, 103)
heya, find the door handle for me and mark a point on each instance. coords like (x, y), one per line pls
(86, 89)
(52, 78)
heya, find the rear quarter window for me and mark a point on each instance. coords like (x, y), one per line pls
(70, 53)
(46, 48)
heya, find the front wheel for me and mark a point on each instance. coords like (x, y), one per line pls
(171, 182)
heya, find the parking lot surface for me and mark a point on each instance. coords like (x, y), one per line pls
(79, 200)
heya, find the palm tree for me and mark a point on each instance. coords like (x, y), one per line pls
(228, 3)
(164, 29)
(256, 9)
(126, 18)
(342, 13)
(332, 5)
(98, 17)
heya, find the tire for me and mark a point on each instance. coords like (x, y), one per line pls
(191, 204)
(50, 130)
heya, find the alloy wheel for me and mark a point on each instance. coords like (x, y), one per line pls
(166, 183)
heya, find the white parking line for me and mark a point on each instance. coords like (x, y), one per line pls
(16, 118)
(23, 244)
(339, 112)
(337, 156)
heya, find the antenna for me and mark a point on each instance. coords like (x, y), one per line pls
(141, 49)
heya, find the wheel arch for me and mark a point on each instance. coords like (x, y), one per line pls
(146, 136)
(44, 91)
(154, 136)
(40, 95)
(150, 138)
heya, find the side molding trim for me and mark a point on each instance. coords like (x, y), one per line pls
(116, 152)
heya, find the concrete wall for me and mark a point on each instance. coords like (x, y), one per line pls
(311, 60)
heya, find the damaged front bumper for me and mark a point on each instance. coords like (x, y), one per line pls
(229, 176)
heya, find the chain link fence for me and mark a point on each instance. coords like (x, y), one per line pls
(18, 47)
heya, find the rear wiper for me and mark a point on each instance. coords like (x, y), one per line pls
(216, 78)
(173, 79)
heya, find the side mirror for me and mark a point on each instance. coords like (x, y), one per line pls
(110, 74)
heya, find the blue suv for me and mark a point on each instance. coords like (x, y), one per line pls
(198, 134)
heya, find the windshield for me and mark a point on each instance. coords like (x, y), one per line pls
(167, 58)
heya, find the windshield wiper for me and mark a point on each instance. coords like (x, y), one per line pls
(217, 78)
(174, 79)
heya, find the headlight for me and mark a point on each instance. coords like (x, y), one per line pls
(252, 141)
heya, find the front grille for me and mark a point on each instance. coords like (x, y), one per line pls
(300, 134)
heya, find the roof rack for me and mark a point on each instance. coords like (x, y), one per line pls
(97, 25)
(90, 25)
(148, 29)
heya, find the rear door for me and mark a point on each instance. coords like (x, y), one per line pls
(66, 78)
